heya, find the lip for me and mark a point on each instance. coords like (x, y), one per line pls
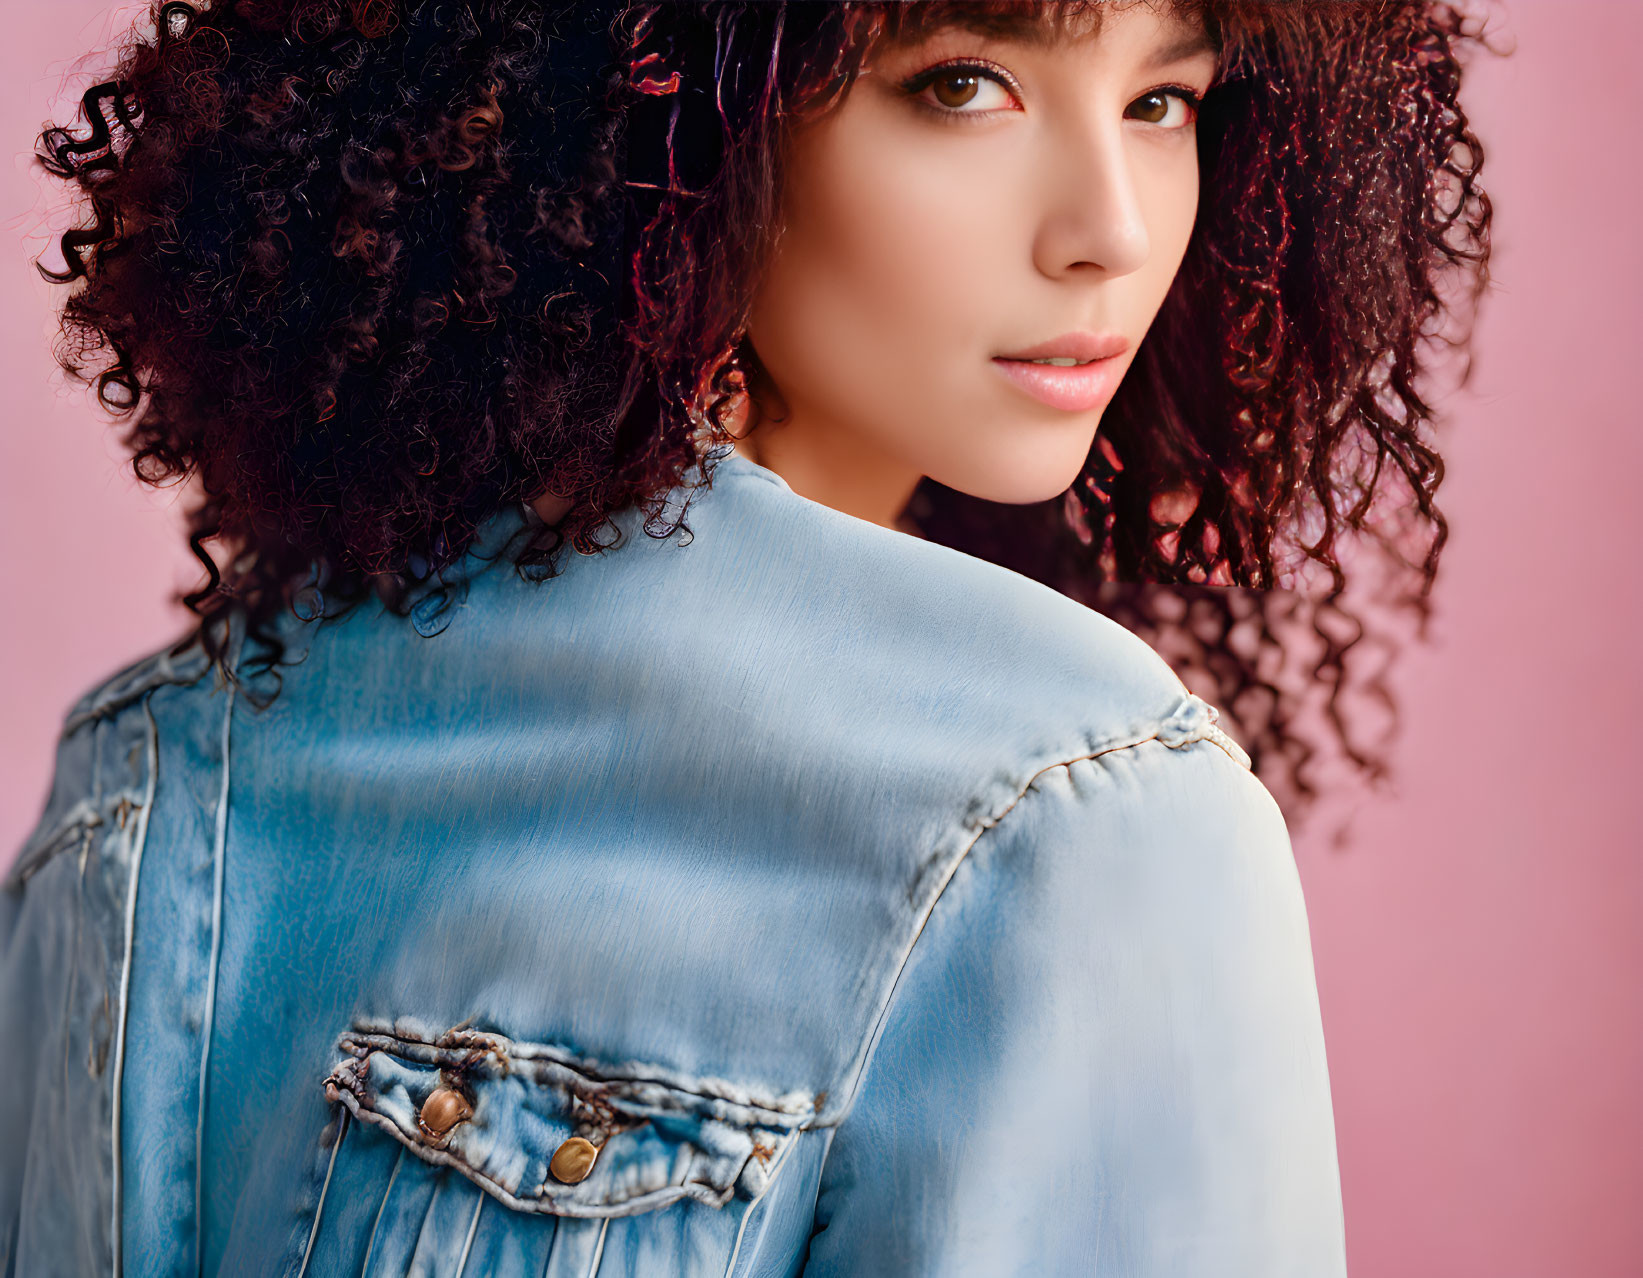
(1073, 390)
(1081, 344)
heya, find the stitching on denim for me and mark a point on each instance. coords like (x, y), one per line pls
(759, 1199)
(636, 1203)
(75, 826)
(219, 851)
(324, 1189)
(139, 841)
(468, 1243)
(74, 980)
(135, 681)
(870, 1044)
(598, 1249)
(376, 1221)
(347, 1083)
(1219, 736)
(459, 1043)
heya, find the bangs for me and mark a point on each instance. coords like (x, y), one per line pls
(1030, 22)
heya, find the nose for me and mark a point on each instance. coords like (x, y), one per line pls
(1093, 216)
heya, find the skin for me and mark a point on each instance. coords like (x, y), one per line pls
(915, 246)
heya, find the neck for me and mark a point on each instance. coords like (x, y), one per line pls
(836, 468)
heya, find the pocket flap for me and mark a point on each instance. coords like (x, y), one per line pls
(522, 1120)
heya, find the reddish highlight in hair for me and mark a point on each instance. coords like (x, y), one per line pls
(366, 272)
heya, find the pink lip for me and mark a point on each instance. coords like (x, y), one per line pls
(1073, 390)
(1077, 345)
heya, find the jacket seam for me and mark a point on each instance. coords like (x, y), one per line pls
(870, 1045)
(473, 1228)
(760, 1198)
(117, 1182)
(128, 686)
(458, 1043)
(376, 1220)
(219, 852)
(343, 1120)
(74, 828)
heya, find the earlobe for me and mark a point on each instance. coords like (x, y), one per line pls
(742, 415)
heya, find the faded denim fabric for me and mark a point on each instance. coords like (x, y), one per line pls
(866, 907)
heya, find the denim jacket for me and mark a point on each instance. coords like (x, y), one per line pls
(794, 896)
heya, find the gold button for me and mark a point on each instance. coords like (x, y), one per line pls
(573, 1160)
(443, 1110)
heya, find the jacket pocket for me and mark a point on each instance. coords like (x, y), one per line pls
(543, 1130)
(468, 1153)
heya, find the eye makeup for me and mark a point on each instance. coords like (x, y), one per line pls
(959, 69)
(977, 69)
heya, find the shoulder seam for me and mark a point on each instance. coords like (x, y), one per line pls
(118, 693)
(1206, 731)
(128, 685)
(1192, 720)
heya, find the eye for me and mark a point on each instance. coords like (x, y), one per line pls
(957, 86)
(1169, 108)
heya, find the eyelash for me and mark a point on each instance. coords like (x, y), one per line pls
(916, 85)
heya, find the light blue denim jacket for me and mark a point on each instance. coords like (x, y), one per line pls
(862, 907)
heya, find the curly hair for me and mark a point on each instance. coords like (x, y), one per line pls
(367, 271)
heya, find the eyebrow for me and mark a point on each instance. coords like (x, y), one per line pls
(1022, 27)
(1030, 29)
(1189, 46)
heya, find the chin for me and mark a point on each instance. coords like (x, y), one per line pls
(1019, 478)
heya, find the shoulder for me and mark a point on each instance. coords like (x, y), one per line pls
(931, 689)
(991, 745)
(1173, 839)
(994, 647)
(1120, 965)
(102, 755)
(176, 663)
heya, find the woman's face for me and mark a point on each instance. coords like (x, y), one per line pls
(976, 197)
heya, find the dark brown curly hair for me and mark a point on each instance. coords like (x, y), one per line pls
(367, 271)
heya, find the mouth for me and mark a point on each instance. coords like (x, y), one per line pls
(1074, 388)
(1070, 349)
(1076, 372)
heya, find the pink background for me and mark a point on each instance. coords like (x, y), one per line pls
(1479, 945)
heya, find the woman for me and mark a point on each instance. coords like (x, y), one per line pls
(488, 888)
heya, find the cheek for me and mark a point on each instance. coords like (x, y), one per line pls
(879, 271)
(1170, 204)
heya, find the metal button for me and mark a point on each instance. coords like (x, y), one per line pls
(573, 1160)
(443, 1110)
